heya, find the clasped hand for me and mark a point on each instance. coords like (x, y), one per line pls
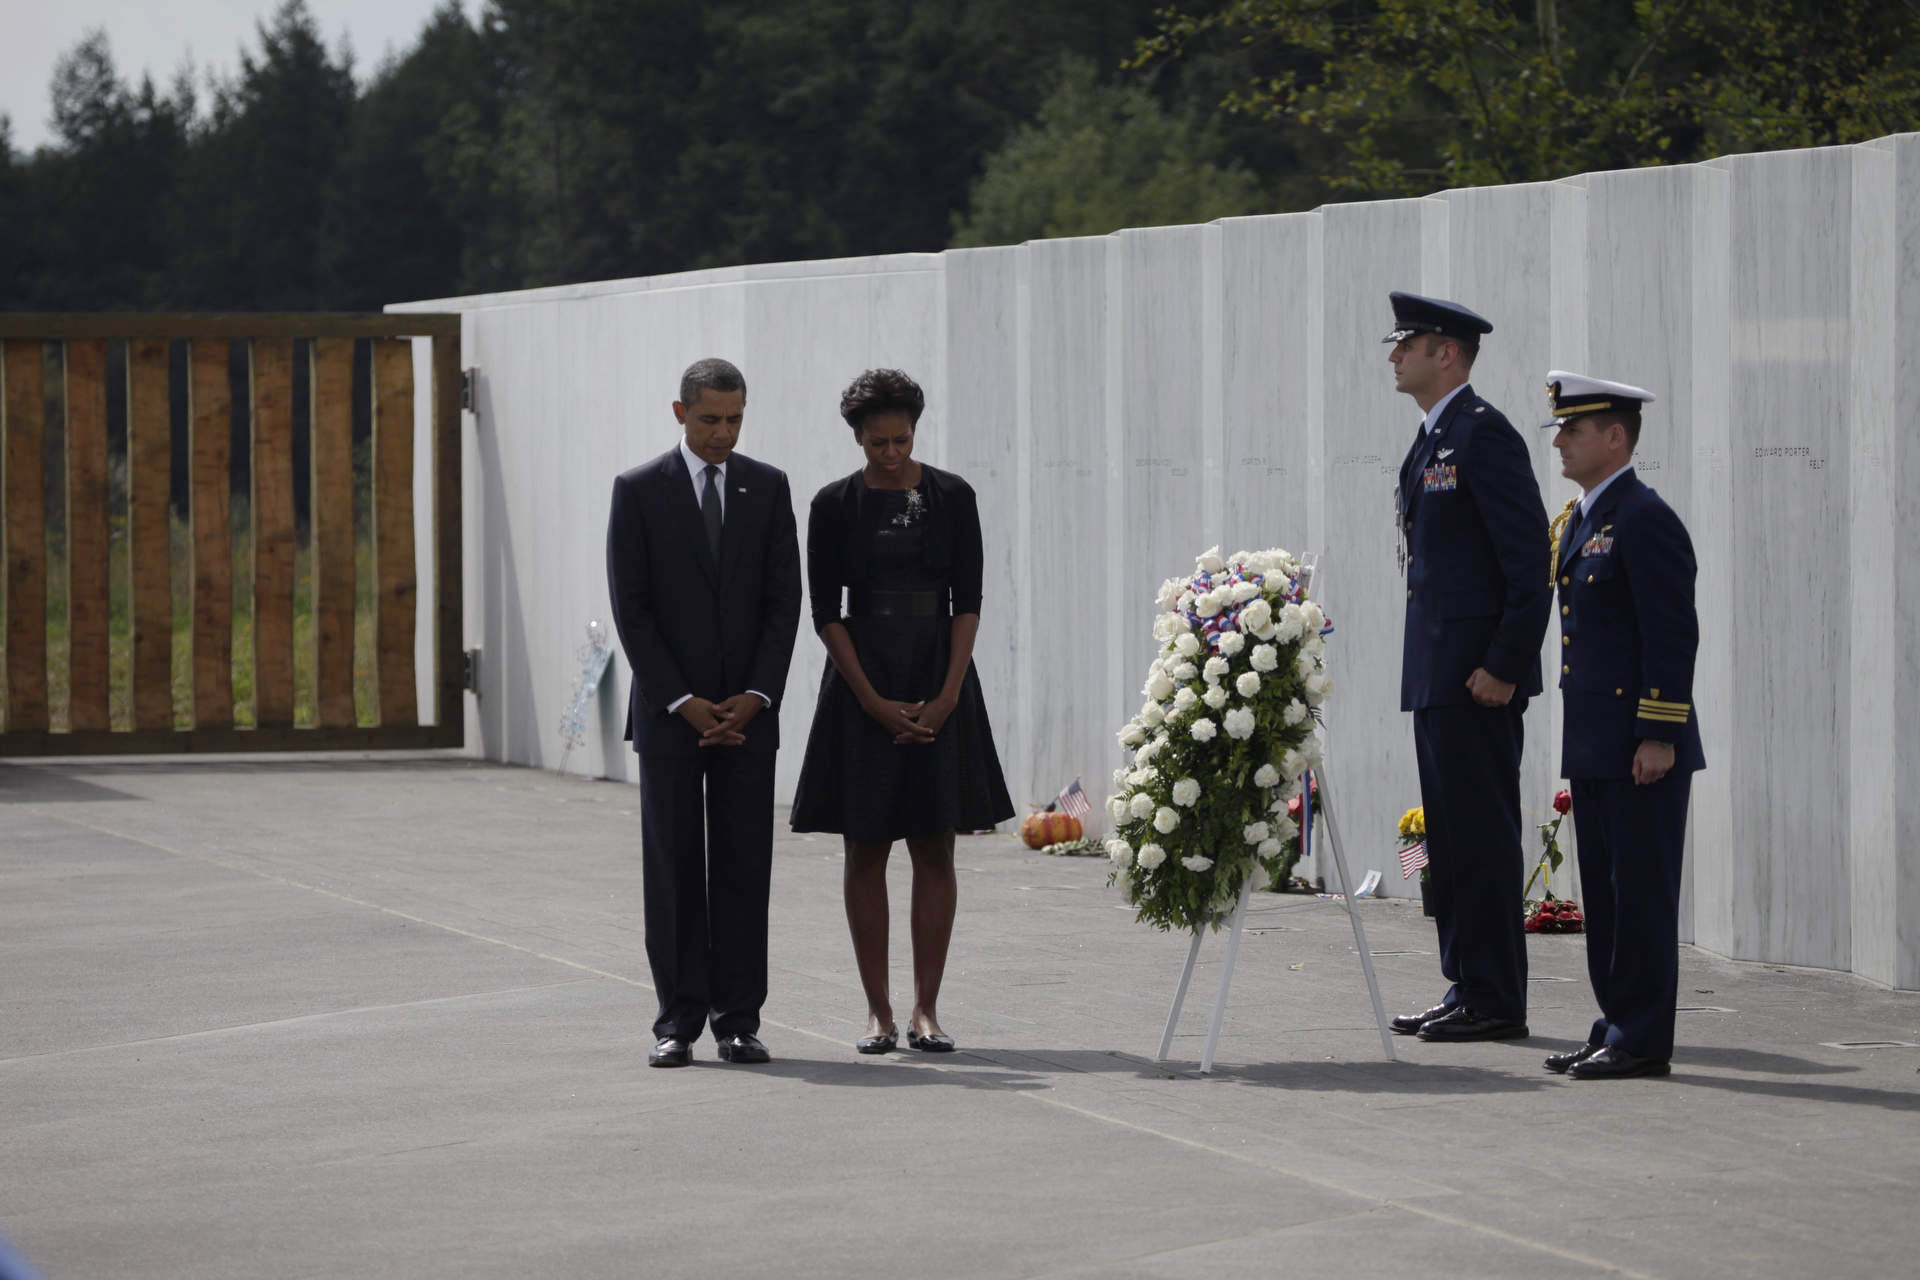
(723, 723)
(910, 722)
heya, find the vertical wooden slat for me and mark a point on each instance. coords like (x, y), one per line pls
(393, 529)
(25, 425)
(333, 527)
(273, 534)
(87, 579)
(448, 588)
(212, 486)
(149, 457)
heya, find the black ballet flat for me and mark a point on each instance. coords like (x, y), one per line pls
(929, 1044)
(878, 1044)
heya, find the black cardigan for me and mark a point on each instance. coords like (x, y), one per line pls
(837, 546)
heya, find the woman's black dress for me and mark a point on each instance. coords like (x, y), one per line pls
(897, 550)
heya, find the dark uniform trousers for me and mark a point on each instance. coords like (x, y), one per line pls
(1631, 838)
(1469, 760)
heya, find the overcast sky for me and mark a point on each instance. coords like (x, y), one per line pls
(156, 36)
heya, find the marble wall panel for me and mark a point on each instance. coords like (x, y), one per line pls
(984, 444)
(1367, 250)
(1897, 960)
(1791, 308)
(1069, 585)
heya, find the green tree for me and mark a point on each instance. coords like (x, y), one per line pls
(1100, 157)
(1418, 94)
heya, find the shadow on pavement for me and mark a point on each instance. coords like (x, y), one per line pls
(27, 785)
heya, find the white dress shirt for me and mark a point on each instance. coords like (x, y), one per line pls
(1439, 407)
(1592, 495)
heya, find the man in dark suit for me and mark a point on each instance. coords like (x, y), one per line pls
(1631, 744)
(1477, 601)
(704, 570)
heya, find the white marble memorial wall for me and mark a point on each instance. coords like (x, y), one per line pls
(1120, 402)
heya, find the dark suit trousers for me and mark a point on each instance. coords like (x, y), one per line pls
(1470, 786)
(1632, 840)
(706, 847)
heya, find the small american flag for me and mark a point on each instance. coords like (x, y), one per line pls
(1412, 858)
(1074, 801)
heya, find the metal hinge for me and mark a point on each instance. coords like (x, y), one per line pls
(470, 671)
(469, 383)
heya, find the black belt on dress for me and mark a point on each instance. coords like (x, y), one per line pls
(896, 604)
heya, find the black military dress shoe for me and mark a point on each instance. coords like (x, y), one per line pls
(743, 1049)
(670, 1052)
(1408, 1023)
(1464, 1024)
(1559, 1062)
(1615, 1063)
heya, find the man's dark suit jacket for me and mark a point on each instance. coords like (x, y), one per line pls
(1477, 591)
(689, 626)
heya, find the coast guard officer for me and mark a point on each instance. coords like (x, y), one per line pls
(1477, 600)
(1625, 568)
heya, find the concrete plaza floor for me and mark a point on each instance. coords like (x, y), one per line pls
(387, 1017)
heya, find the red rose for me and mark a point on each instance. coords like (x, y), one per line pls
(1293, 808)
(1562, 801)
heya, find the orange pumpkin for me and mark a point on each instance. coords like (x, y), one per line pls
(1046, 826)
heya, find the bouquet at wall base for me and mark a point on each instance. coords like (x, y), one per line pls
(1413, 826)
(1550, 914)
(1217, 750)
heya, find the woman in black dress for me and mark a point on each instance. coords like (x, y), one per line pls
(900, 747)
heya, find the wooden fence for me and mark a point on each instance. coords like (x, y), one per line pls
(152, 503)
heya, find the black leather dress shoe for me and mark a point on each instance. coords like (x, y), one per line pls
(1615, 1063)
(1464, 1024)
(1559, 1062)
(670, 1052)
(1408, 1023)
(743, 1049)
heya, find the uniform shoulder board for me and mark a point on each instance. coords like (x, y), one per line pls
(1480, 408)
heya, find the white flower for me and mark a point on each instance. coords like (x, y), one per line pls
(1150, 856)
(1265, 657)
(1305, 664)
(1133, 735)
(1260, 877)
(1186, 644)
(1245, 591)
(1210, 561)
(1292, 764)
(1145, 753)
(1169, 593)
(1196, 862)
(1266, 776)
(1318, 686)
(1290, 624)
(1159, 686)
(1255, 832)
(1185, 671)
(1284, 827)
(1119, 779)
(1184, 700)
(1119, 852)
(1222, 595)
(1247, 685)
(1232, 642)
(1216, 670)
(1296, 712)
(1141, 806)
(1215, 697)
(1257, 615)
(1153, 713)
(1139, 778)
(1168, 626)
(1267, 849)
(1239, 724)
(1185, 792)
(1315, 617)
(1117, 809)
(1206, 606)
(1314, 644)
(1203, 730)
(1310, 753)
(1165, 820)
(1185, 602)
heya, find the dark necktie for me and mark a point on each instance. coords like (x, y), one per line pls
(710, 510)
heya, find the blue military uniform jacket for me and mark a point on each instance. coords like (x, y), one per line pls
(1628, 634)
(1477, 587)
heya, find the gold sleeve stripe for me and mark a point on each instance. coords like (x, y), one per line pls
(1664, 706)
(1664, 718)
